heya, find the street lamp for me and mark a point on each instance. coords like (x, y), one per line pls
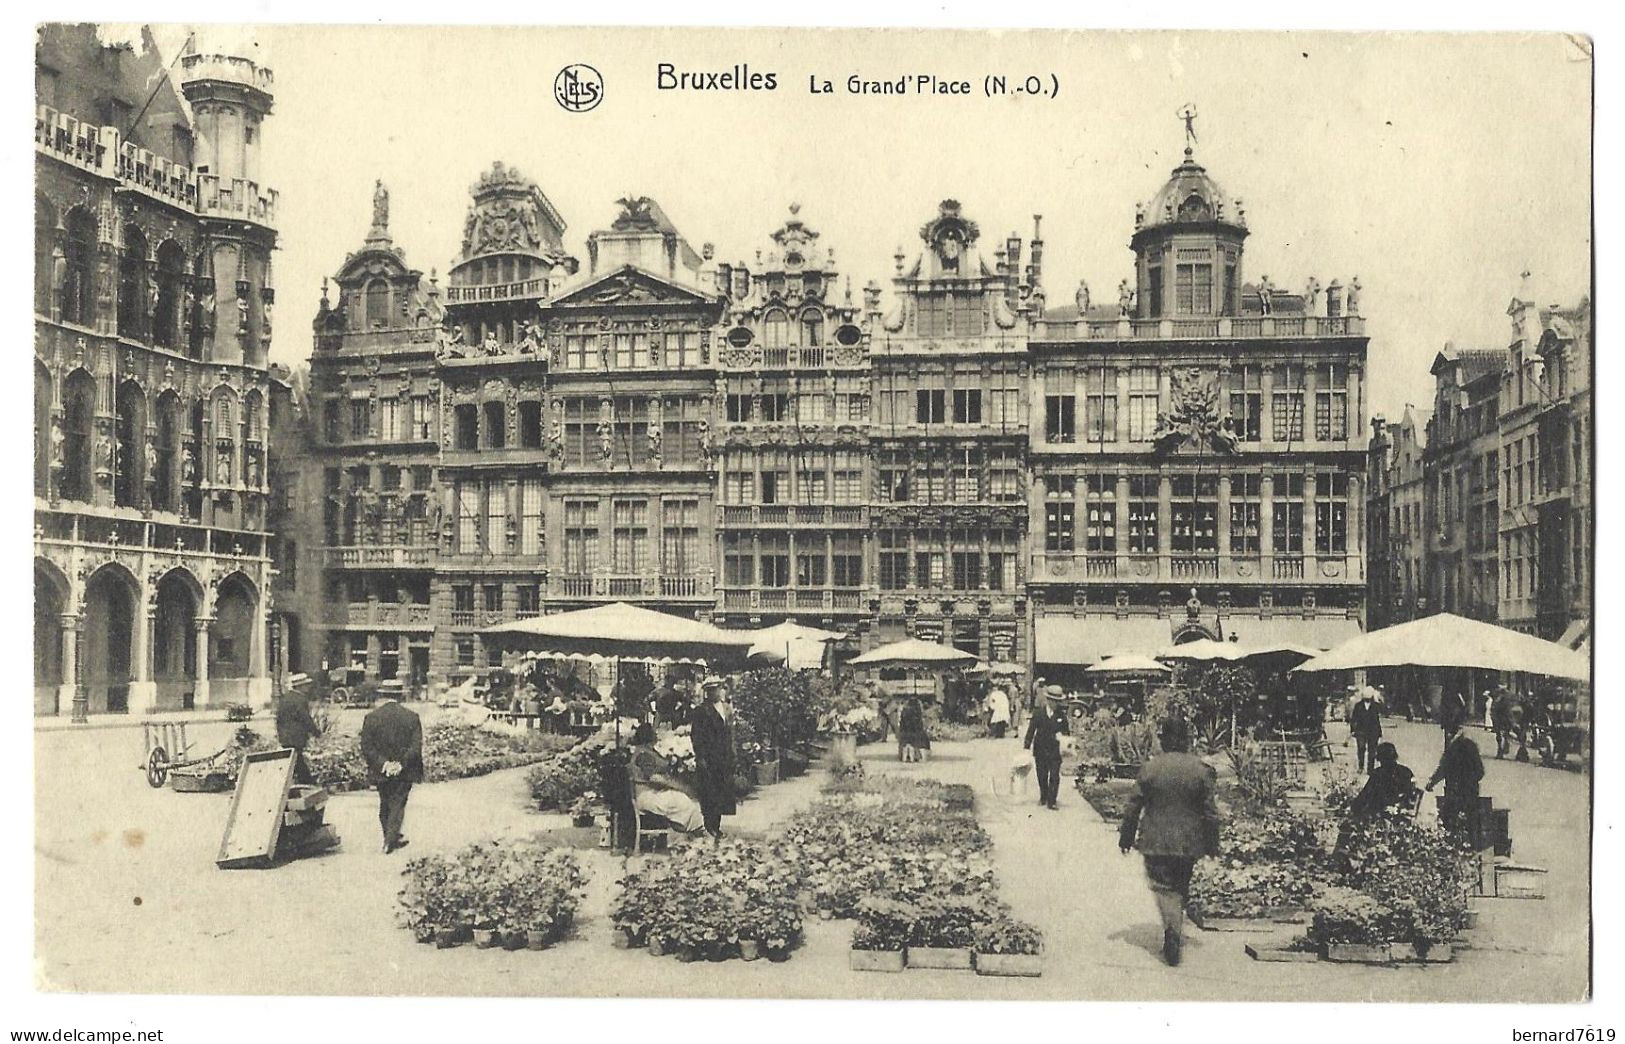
(81, 695)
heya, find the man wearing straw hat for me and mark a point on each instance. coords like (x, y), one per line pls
(1044, 730)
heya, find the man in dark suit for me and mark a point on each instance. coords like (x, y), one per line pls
(711, 726)
(1044, 731)
(295, 728)
(1173, 818)
(392, 744)
(1460, 769)
(1365, 725)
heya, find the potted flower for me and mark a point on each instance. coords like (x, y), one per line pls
(1348, 927)
(876, 949)
(1009, 947)
(584, 809)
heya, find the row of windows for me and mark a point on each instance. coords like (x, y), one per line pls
(1192, 514)
(792, 560)
(634, 523)
(961, 559)
(632, 351)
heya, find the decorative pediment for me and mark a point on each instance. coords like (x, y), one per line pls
(632, 286)
(1194, 424)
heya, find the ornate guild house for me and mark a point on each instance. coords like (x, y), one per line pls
(153, 401)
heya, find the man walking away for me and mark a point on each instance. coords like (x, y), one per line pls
(1501, 721)
(392, 745)
(712, 736)
(1365, 724)
(295, 728)
(1044, 730)
(1461, 769)
(998, 712)
(1452, 713)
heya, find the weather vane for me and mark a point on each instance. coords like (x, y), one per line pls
(1187, 112)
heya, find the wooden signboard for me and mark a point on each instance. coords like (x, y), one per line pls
(255, 820)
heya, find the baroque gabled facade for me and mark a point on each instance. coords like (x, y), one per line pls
(153, 302)
(1196, 471)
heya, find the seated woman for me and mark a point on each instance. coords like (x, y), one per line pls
(1391, 786)
(656, 791)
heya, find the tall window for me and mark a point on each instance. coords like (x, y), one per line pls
(846, 559)
(1287, 510)
(631, 430)
(738, 559)
(738, 482)
(1059, 513)
(680, 537)
(530, 424)
(967, 559)
(739, 407)
(775, 330)
(1100, 514)
(1153, 291)
(892, 473)
(682, 350)
(847, 477)
(1002, 552)
(132, 285)
(1244, 513)
(581, 351)
(775, 401)
(360, 418)
(892, 559)
(1060, 418)
(580, 537)
(631, 351)
(812, 477)
(1247, 403)
(1143, 396)
(630, 536)
(812, 328)
(1004, 475)
(775, 559)
(496, 516)
(496, 424)
(775, 477)
(931, 558)
(468, 517)
(930, 406)
(935, 477)
(965, 479)
(166, 319)
(377, 305)
(1143, 501)
(1193, 289)
(78, 421)
(1100, 405)
(530, 517)
(389, 418)
(78, 282)
(1286, 403)
(1331, 512)
(44, 253)
(1194, 510)
(812, 560)
(967, 405)
(1332, 402)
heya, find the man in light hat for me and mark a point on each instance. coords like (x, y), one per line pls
(712, 735)
(1044, 730)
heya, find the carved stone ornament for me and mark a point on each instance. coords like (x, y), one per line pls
(1195, 417)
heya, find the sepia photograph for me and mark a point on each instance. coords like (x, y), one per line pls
(843, 514)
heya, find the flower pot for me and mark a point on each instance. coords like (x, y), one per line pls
(688, 955)
(423, 933)
(843, 750)
(876, 960)
(825, 915)
(621, 939)
(536, 940)
(485, 938)
(1014, 965)
(1279, 955)
(657, 947)
(583, 820)
(749, 949)
(1424, 953)
(767, 773)
(446, 938)
(1359, 953)
(941, 958)
(513, 940)
(778, 954)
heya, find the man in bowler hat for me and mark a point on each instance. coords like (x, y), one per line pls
(392, 745)
(711, 731)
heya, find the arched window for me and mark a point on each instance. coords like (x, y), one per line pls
(78, 430)
(132, 285)
(78, 279)
(775, 330)
(202, 317)
(130, 462)
(166, 319)
(377, 304)
(166, 483)
(42, 430)
(44, 257)
(225, 446)
(812, 328)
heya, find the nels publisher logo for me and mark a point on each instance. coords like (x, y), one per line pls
(578, 88)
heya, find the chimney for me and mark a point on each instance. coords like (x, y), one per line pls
(1035, 267)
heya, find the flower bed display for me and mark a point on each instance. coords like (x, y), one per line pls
(1009, 947)
(516, 892)
(559, 781)
(712, 902)
(449, 752)
(1109, 797)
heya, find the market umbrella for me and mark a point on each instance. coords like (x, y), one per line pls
(780, 641)
(1448, 640)
(913, 652)
(620, 630)
(1281, 651)
(1203, 649)
(1005, 667)
(1127, 663)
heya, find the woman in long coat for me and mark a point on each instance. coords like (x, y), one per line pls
(912, 738)
(1173, 820)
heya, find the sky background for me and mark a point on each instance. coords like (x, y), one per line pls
(1436, 168)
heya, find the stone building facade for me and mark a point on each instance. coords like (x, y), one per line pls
(1195, 453)
(1396, 542)
(753, 442)
(153, 303)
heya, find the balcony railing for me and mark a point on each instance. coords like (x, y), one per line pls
(399, 557)
(1203, 328)
(787, 514)
(1288, 567)
(1194, 567)
(669, 585)
(497, 291)
(389, 614)
(1100, 568)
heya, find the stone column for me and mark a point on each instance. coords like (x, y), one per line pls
(68, 689)
(1266, 409)
(1224, 525)
(143, 689)
(1266, 527)
(1122, 524)
(200, 690)
(1356, 525)
(259, 676)
(1310, 547)
(1122, 403)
